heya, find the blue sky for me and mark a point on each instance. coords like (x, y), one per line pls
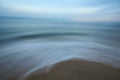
(79, 10)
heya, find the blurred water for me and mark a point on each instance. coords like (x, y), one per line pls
(27, 45)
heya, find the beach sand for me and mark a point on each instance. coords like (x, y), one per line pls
(78, 70)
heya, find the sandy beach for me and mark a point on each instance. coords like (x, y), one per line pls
(78, 70)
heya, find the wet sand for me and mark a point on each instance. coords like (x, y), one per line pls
(78, 70)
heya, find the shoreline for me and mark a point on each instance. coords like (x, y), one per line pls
(76, 69)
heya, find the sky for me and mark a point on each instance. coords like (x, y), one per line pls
(78, 10)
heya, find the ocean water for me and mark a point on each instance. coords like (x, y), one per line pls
(27, 45)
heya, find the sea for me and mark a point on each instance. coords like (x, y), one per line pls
(29, 44)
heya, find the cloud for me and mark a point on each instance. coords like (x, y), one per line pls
(80, 10)
(54, 10)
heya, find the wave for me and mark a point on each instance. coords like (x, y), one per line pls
(25, 50)
(43, 35)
